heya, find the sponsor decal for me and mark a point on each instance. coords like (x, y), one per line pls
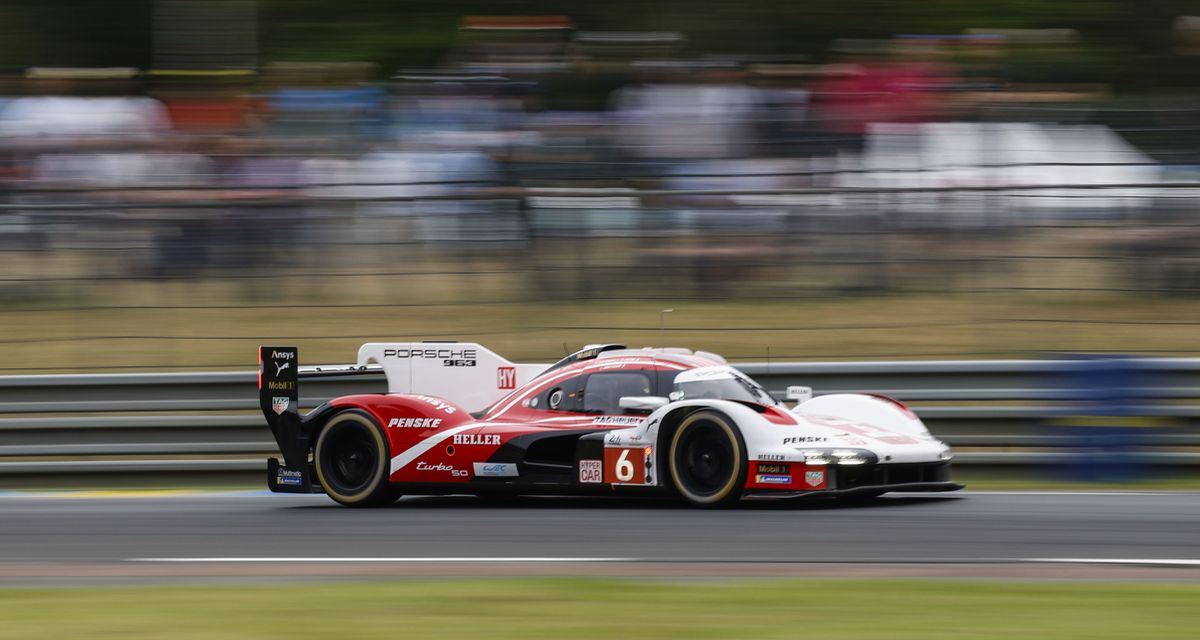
(814, 478)
(431, 354)
(449, 357)
(775, 469)
(289, 477)
(626, 466)
(772, 479)
(805, 439)
(438, 404)
(280, 367)
(425, 466)
(771, 456)
(590, 472)
(281, 386)
(476, 438)
(506, 377)
(414, 423)
(618, 420)
(495, 469)
(279, 404)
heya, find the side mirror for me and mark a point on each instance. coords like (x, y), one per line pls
(643, 403)
(799, 394)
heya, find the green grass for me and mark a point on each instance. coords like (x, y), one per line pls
(891, 327)
(55, 319)
(581, 609)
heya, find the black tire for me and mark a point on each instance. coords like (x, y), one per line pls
(708, 460)
(352, 461)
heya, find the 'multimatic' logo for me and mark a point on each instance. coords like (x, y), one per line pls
(289, 477)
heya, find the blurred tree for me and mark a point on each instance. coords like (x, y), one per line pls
(76, 33)
(1126, 42)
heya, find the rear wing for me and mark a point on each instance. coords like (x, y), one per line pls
(465, 373)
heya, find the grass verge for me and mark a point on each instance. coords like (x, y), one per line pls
(868, 328)
(581, 609)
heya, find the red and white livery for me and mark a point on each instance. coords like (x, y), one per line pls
(458, 418)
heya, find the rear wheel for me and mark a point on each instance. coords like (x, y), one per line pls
(352, 461)
(708, 460)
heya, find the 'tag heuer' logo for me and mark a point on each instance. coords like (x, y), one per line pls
(814, 478)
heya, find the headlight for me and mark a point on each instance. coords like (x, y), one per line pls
(843, 457)
(816, 457)
(848, 457)
(945, 455)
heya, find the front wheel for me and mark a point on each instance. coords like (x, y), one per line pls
(352, 461)
(708, 460)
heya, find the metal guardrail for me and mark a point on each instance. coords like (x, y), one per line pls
(209, 422)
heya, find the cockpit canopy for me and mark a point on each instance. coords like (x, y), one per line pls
(720, 383)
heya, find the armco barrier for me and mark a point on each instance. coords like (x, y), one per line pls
(993, 411)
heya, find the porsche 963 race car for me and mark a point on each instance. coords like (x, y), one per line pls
(460, 419)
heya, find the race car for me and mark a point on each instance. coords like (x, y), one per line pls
(460, 419)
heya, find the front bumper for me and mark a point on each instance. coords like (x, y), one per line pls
(873, 479)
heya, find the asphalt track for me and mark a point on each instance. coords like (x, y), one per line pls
(258, 535)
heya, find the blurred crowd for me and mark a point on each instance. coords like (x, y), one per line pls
(531, 134)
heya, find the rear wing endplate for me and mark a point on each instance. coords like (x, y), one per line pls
(279, 398)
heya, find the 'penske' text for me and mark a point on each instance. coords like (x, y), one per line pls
(414, 423)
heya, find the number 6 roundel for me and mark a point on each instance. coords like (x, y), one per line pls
(625, 466)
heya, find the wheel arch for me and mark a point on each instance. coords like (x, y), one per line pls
(732, 411)
(868, 408)
(315, 420)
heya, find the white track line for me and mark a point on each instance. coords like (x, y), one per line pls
(383, 559)
(1158, 562)
(1131, 492)
(1162, 562)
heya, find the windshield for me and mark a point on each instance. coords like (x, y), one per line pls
(725, 388)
